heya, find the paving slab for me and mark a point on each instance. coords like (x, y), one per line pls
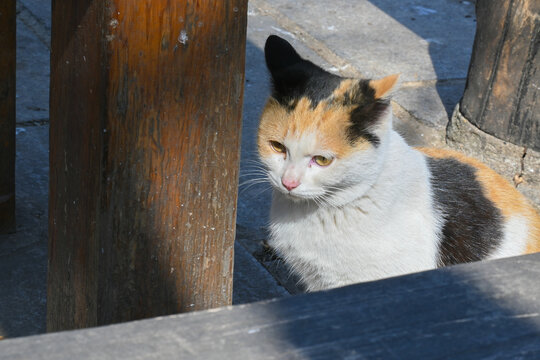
(415, 132)
(251, 281)
(431, 104)
(33, 67)
(41, 11)
(254, 242)
(23, 255)
(422, 40)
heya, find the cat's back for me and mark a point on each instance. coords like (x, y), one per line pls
(484, 216)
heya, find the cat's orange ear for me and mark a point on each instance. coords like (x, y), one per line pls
(384, 85)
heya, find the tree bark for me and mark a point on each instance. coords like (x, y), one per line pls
(7, 116)
(502, 95)
(146, 100)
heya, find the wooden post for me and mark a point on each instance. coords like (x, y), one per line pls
(146, 100)
(7, 116)
(502, 96)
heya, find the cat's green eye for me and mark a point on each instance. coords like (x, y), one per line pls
(278, 147)
(321, 160)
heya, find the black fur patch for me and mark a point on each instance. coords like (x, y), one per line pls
(473, 225)
(368, 111)
(294, 77)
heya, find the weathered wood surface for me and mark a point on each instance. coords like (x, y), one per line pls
(7, 116)
(146, 101)
(502, 95)
(487, 310)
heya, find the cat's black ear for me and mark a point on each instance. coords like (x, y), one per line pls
(293, 76)
(280, 54)
(289, 71)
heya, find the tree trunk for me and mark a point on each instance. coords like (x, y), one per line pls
(7, 116)
(502, 95)
(146, 100)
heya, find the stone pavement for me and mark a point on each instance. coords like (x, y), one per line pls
(428, 41)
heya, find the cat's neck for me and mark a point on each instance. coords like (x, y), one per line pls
(397, 162)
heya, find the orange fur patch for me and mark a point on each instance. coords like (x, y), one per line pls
(345, 86)
(273, 126)
(328, 120)
(384, 85)
(499, 191)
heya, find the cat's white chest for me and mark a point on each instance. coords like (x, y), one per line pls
(329, 247)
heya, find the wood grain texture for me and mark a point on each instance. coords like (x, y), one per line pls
(502, 95)
(145, 137)
(486, 310)
(7, 116)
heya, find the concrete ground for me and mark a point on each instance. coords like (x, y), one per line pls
(428, 41)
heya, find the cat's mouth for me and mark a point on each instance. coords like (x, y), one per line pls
(291, 194)
(299, 195)
(297, 198)
(294, 194)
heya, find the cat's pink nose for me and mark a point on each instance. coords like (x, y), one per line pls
(290, 183)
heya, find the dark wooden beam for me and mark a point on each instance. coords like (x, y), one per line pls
(502, 96)
(146, 102)
(7, 115)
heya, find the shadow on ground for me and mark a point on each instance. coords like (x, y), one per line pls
(450, 63)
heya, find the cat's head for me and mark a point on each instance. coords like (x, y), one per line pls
(321, 134)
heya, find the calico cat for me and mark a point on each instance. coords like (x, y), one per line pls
(353, 202)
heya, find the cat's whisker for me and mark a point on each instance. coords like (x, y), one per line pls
(256, 160)
(253, 167)
(332, 187)
(253, 186)
(253, 182)
(253, 170)
(315, 200)
(265, 189)
(253, 163)
(265, 175)
(244, 187)
(331, 190)
(319, 200)
(251, 193)
(328, 200)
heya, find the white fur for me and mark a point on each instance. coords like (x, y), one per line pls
(379, 223)
(516, 230)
